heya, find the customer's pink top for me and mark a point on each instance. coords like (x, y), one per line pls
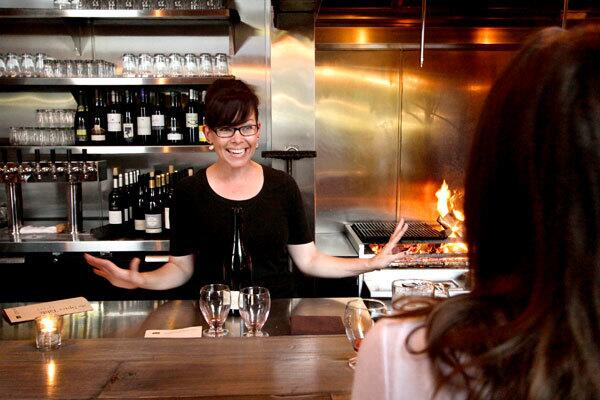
(386, 370)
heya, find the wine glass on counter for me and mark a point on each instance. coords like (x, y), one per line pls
(215, 300)
(255, 304)
(359, 317)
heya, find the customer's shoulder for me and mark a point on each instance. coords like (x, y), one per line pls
(398, 328)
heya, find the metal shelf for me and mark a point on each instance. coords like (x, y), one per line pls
(116, 149)
(67, 82)
(223, 15)
(84, 242)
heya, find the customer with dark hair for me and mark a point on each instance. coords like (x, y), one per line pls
(275, 223)
(530, 329)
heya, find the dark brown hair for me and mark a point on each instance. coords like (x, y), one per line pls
(229, 102)
(530, 329)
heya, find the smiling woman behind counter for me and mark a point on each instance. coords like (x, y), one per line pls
(275, 223)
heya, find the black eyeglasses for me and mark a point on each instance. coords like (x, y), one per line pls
(229, 131)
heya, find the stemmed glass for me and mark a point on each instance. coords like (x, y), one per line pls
(255, 303)
(359, 317)
(215, 301)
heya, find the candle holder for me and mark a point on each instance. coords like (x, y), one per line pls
(47, 332)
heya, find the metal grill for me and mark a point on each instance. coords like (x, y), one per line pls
(380, 231)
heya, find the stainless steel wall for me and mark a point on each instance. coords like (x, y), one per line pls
(388, 131)
(250, 62)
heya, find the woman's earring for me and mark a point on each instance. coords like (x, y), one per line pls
(257, 145)
(211, 147)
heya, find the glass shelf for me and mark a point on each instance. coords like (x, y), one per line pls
(118, 81)
(116, 149)
(222, 15)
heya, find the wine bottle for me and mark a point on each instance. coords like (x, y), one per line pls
(238, 266)
(202, 119)
(144, 121)
(130, 200)
(115, 204)
(168, 198)
(82, 121)
(152, 211)
(99, 123)
(139, 217)
(191, 118)
(174, 121)
(124, 201)
(114, 118)
(158, 120)
(129, 119)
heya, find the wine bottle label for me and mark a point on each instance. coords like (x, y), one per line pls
(114, 122)
(140, 224)
(115, 217)
(167, 215)
(126, 214)
(128, 130)
(98, 134)
(201, 136)
(81, 133)
(144, 126)
(191, 120)
(235, 296)
(158, 120)
(153, 223)
(174, 136)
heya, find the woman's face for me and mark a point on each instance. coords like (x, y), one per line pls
(235, 144)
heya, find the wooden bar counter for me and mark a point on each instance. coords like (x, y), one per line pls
(104, 355)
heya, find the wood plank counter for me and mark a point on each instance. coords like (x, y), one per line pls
(105, 356)
(301, 367)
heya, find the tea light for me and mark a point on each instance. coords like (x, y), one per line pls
(47, 332)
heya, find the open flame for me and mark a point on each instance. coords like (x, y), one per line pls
(451, 218)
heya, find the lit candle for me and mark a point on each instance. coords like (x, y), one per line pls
(48, 335)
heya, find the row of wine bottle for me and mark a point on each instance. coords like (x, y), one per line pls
(140, 204)
(129, 117)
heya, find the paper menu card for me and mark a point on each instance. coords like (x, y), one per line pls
(59, 307)
(190, 332)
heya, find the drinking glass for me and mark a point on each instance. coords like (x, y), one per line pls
(214, 4)
(181, 4)
(405, 292)
(130, 68)
(221, 64)
(49, 67)
(40, 60)
(128, 4)
(59, 69)
(358, 319)
(13, 69)
(160, 65)
(146, 4)
(175, 65)
(255, 303)
(206, 67)
(162, 4)
(198, 4)
(190, 68)
(2, 65)
(111, 4)
(145, 66)
(215, 301)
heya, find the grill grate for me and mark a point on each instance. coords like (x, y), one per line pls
(380, 231)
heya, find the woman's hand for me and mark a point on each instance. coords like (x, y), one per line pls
(386, 256)
(124, 278)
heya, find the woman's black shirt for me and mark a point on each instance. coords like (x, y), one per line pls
(202, 224)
